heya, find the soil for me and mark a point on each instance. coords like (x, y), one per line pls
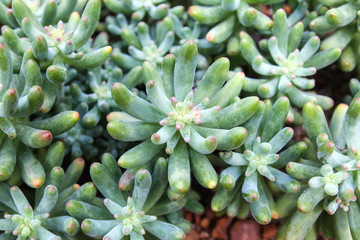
(207, 226)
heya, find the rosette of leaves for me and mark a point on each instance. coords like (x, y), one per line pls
(195, 31)
(54, 46)
(187, 124)
(119, 25)
(28, 223)
(192, 198)
(100, 81)
(343, 17)
(123, 214)
(146, 45)
(47, 12)
(286, 73)
(19, 101)
(332, 175)
(90, 95)
(227, 16)
(156, 9)
(100, 96)
(260, 157)
(48, 219)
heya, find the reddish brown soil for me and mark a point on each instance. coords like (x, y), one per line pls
(207, 226)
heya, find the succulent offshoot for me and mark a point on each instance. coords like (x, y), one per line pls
(130, 218)
(330, 180)
(187, 122)
(30, 224)
(132, 215)
(242, 183)
(286, 72)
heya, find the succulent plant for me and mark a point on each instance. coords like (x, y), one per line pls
(100, 82)
(287, 77)
(120, 26)
(175, 106)
(145, 46)
(19, 102)
(48, 219)
(54, 46)
(332, 175)
(19, 132)
(195, 31)
(29, 223)
(259, 157)
(123, 214)
(184, 122)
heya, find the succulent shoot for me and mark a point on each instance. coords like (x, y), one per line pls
(288, 76)
(259, 157)
(186, 123)
(128, 215)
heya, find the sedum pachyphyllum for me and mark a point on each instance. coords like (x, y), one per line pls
(28, 223)
(332, 175)
(48, 219)
(134, 215)
(286, 74)
(145, 44)
(120, 26)
(93, 102)
(186, 123)
(195, 31)
(259, 157)
(171, 102)
(54, 46)
(100, 100)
